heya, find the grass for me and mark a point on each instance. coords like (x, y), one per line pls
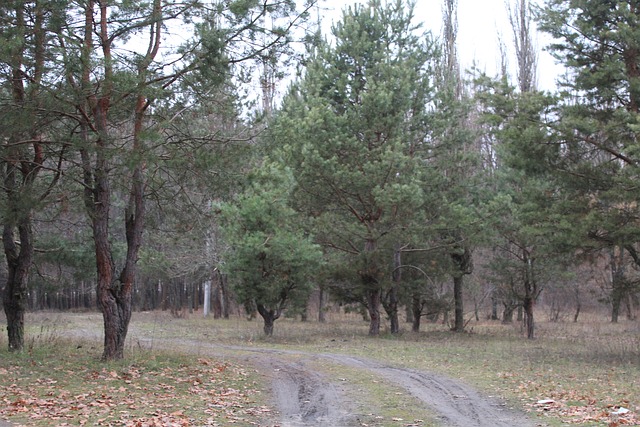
(588, 369)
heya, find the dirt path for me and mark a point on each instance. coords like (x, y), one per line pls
(306, 398)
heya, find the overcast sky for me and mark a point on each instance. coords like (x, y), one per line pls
(479, 22)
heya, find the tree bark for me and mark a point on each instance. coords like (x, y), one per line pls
(616, 303)
(372, 291)
(321, 306)
(14, 299)
(458, 283)
(416, 308)
(391, 308)
(507, 315)
(269, 317)
(463, 264)
(374, 297)
(528, 304)
(494, 308)
(617, 282)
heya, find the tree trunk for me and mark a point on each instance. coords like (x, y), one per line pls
(408, 313)
(391, 308)
(577, 313)
(494, 308)
(616, 303)
(321, 306)
(14, 298)
(463, 263)
(217, 302)
(458, 282)
(416, 308)
(269, 317)
(226, 299)
(529, 321)
(507, 315)
(617, 282)
(372, 291)
(18, 263)
(374, 297)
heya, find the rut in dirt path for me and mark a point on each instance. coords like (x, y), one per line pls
(303, 397)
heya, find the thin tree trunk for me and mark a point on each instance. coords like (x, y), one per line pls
(458, 282)
(321, 306)
(416, 308)
(226, 299)
(529, 321)
(507, 315)
(617, 282)
(616, 303)
(577, 313)
(494, 308)
(408, 314)
(374, 297)
(391, 308)
(373, 293)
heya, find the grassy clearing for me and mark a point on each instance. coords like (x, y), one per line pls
(588, 369)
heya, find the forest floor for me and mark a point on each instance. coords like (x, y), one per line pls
(310, 374)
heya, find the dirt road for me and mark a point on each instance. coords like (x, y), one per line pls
(305, 397)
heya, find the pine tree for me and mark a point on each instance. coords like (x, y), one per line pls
(355, 132)
(271, 261)
(597, 120)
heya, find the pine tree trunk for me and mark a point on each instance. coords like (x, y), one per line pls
(507, 315)
(416, 308)
(321, 306)
(616, 303)
(494, 308)
(458, 282)
(529, 321)
(374, 297)
(14, 299)
(226, 299)
(269, 317)
(391, 308)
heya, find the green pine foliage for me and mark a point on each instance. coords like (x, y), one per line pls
(355, 131)
(272, 262)
(596, 123)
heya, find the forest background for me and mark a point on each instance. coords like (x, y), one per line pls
(140, 171)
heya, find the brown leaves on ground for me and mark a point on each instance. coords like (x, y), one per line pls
(146, 394)
(597, 403)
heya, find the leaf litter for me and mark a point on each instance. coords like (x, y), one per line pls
(205, 393)
(574, 406)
